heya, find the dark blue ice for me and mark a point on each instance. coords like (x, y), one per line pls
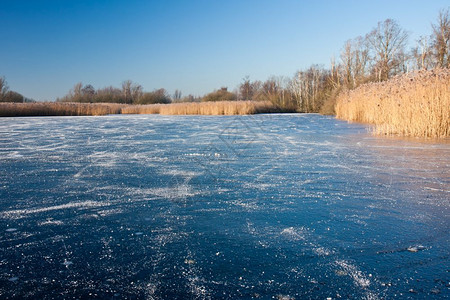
(220, 207)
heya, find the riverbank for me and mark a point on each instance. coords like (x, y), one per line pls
(415, 104)
(97, 109)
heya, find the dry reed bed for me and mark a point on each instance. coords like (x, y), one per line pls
(203, 108)
(58, 109)
(96, 109)
(414, 104)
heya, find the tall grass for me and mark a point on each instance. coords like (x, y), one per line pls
(58, 109)
(203, 108)
(85, 109)
(414, 104)
(142, 109)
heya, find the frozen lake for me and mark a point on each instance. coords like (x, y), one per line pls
(220, 207)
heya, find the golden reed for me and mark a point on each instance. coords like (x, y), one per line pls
(96, 109)
(58, 109)
(415, 104)
(203, 108)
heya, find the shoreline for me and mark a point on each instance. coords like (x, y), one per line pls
(43, 109)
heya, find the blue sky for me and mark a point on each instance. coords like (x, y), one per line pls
(194, 46)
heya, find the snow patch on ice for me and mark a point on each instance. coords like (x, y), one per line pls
(195, 282)
(248, 205)
(109, 212)
(259, 186)
(359, 279)
(50, 222)
(20, 213)
(294, 234)
(321, 251)
(351, 270)
(11, 155)
(175, 192)
(183, 173)
(195, 154)
(67, 263)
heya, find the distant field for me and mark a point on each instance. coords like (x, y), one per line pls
(97, 109)
(414, 104)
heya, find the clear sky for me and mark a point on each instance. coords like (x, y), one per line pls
(194, 46)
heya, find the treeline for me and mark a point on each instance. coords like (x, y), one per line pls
(129, 93)
(375, 57)
(6, 95)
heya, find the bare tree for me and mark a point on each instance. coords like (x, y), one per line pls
(270, 89)
(335, 71)
(441, 39)
(422, 53)
(8, 96)
(3, 88)
(76, 93)
(308, 87)
(246, 89)
(177, 95)
(77, 88)
(347, 64)
(256, 87)
(298, 88)
(388, 42)
(136, 92)
(88, 89)
(314, 76)
(284, 97)
(361, 60)
(88, 92)
(131, 92)
(108, 94)
(126, 90)
(305, 86)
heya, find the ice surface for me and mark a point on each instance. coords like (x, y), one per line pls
(19, 213)
(267, 206)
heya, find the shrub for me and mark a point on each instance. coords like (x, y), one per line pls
(12, 96)
(157, 96)
(220, 95)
